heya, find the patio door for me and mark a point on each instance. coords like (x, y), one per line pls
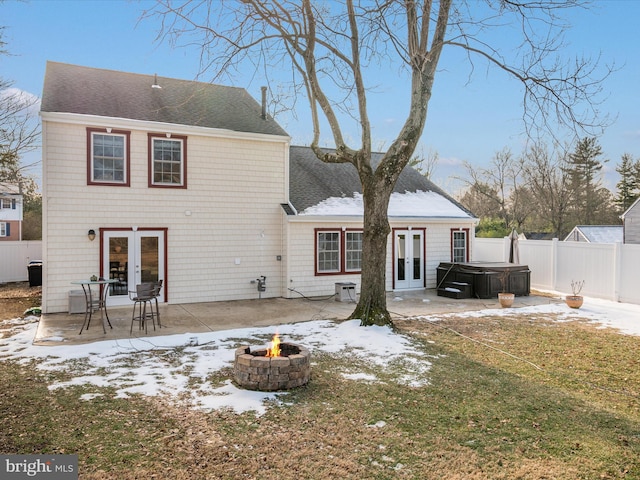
(408, 253)
(132, 257)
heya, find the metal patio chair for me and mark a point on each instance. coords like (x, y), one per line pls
(143, 295)
(157, 287)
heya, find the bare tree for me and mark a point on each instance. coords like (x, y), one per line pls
(333, 46)
(482, 199)
(19, 129)
(425, 162)
(20, 134)
(549, 185)
(500, 188)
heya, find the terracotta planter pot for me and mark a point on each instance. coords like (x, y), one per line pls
(574, 301)
(506, 299)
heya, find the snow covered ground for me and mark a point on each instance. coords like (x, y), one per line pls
(167, 365)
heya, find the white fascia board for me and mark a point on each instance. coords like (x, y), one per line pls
(145, 125)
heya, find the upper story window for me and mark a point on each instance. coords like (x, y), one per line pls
(167, 160)
(108, 157)
(5, 203)
(459, 246)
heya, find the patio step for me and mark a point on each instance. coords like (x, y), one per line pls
(456, 290)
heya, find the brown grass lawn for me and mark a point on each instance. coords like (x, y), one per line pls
(17, 297)
(507, 398)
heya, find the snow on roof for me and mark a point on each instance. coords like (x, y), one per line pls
(408, 204)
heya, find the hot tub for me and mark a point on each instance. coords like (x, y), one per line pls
(486, 278)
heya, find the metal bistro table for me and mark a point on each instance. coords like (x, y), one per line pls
(99, 303)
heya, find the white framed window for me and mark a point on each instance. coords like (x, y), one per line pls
(459, 246)
(107, 157)
(353, 251)
(4, 229)
(5, 203)
(328, 251)
(167, 160)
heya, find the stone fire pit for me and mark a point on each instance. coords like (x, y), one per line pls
(255, 371)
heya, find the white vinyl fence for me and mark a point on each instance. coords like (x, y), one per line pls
(14, 258)
(609, 270)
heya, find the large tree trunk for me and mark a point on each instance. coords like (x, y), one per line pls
(372, 305)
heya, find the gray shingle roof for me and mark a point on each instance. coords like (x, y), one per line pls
(312, 180)
(599, 233)
(109, 93)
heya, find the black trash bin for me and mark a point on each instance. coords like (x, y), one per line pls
(35, 273)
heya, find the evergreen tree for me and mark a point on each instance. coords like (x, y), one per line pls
(583, 168)
(629, 184)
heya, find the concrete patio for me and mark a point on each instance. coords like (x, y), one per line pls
(63, 328)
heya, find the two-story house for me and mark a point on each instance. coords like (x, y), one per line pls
(148, 178)
(11, 215)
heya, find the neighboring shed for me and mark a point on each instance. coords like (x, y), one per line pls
(596, 234)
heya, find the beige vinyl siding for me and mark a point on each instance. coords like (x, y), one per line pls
(302, 276)
(235, 187)
(301, 271)
(438, 246)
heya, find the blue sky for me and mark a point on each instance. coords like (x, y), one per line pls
(468, 120)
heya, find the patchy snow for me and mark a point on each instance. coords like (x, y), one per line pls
(367, 377)
(408, 204)
(621, 316)
(152, 366)
(177, 366)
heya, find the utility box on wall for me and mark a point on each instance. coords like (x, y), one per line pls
(346, 292)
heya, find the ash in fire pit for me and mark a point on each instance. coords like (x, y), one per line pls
(282, 367)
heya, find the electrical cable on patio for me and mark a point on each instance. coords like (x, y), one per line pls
(312, 299)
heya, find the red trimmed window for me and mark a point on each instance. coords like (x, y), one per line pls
(338, 251)
(167, 160)
(108, 157)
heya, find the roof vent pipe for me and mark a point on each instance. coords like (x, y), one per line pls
(264, 102)
(155, 81)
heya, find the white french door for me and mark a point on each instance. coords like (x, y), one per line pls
(132, 257)
(408, 253)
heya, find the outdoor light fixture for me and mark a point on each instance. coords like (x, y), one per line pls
(91, 234)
